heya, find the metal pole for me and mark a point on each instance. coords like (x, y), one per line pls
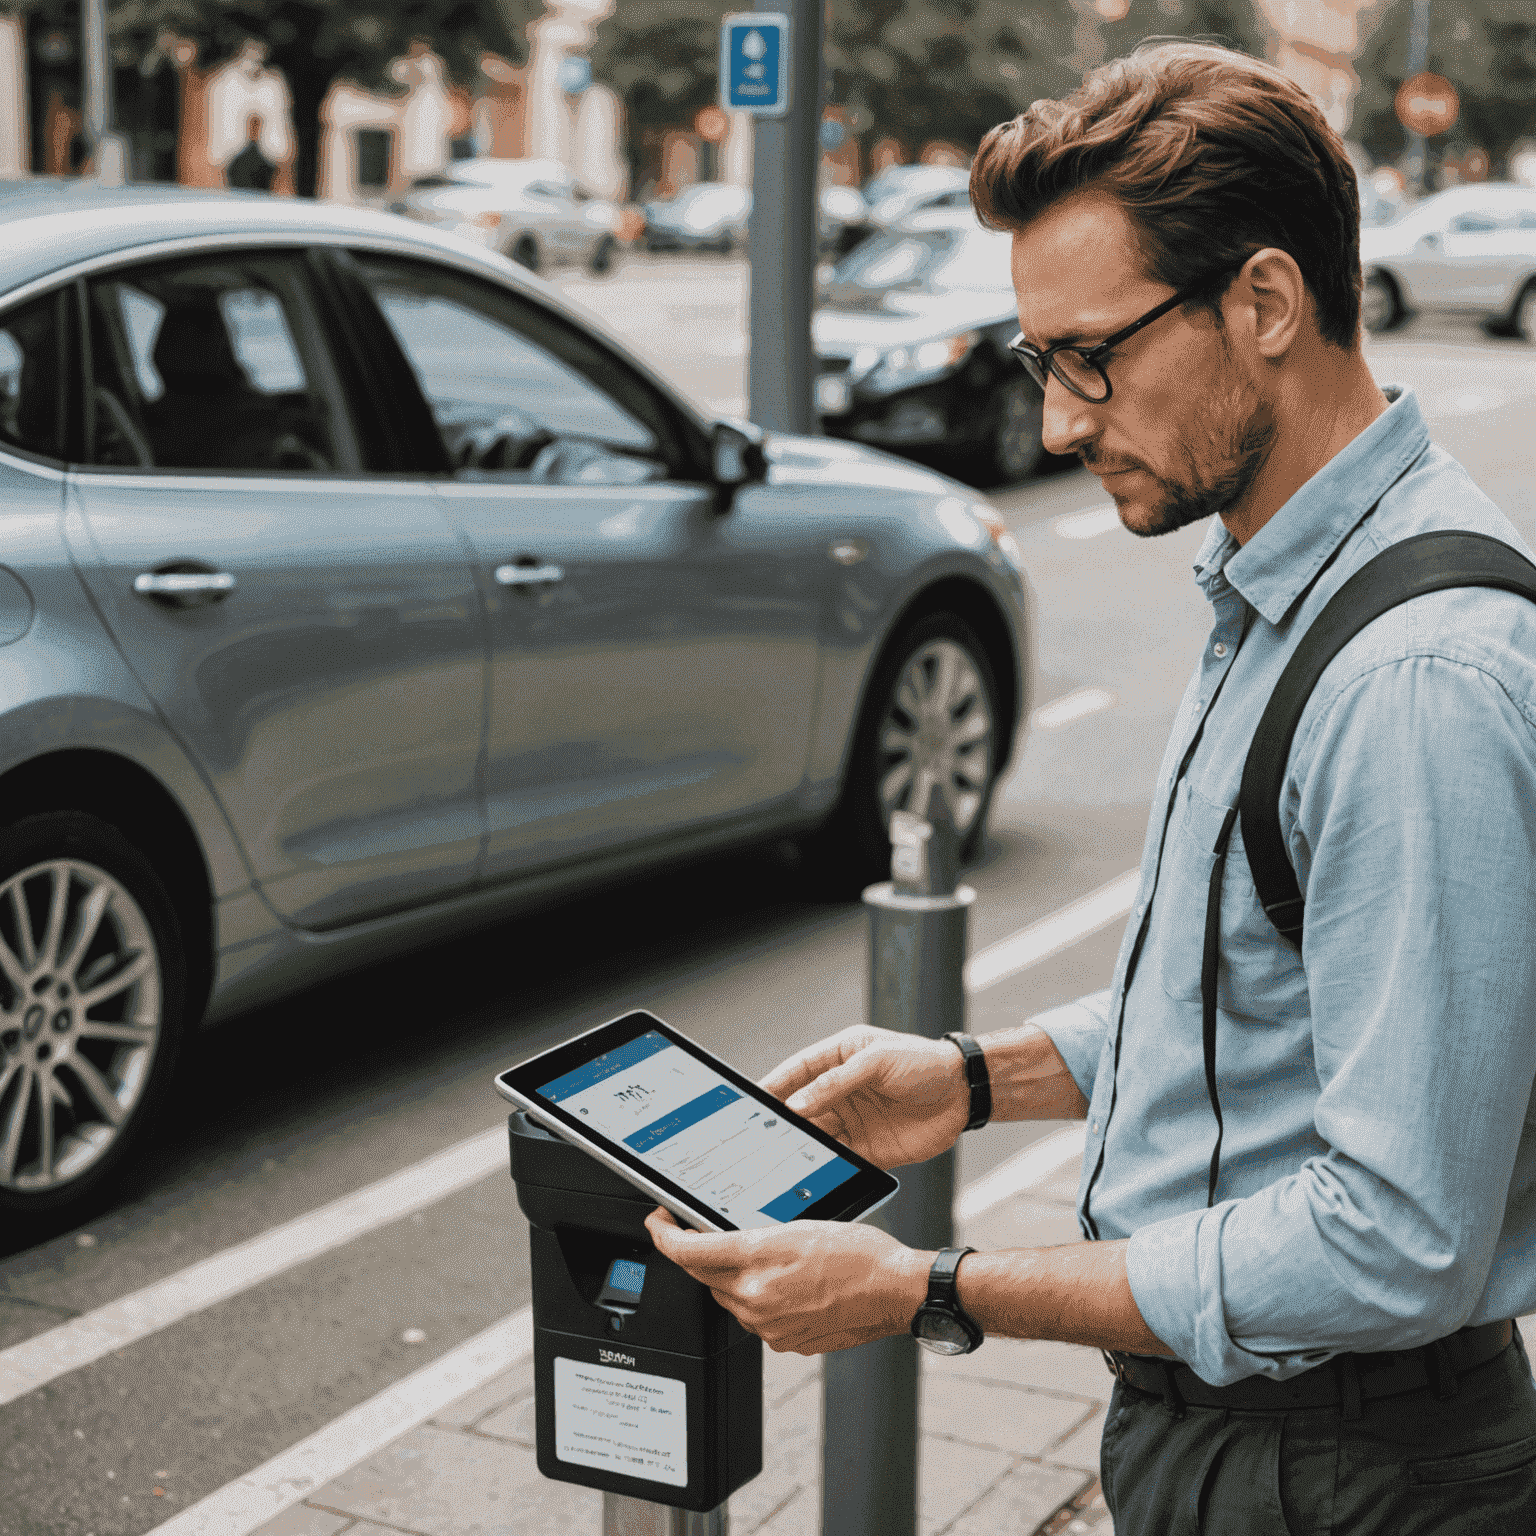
(1418, 61)
(639, 1517)
(783, 234)
(106, 146)
(917, 949)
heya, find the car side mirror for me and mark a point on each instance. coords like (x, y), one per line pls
(1429, 242)
(736, 456)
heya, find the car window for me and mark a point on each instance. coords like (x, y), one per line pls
(213, 365)
(1474, 224)
(31, 399)
(512, 387)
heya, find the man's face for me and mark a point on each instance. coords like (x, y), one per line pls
(1187, 427)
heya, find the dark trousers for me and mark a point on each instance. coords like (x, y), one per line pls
(1410, 1465)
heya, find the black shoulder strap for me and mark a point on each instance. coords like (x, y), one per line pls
(1430, 562)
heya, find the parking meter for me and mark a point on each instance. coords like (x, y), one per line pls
(644, 1385)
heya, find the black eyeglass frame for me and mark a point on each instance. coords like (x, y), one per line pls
(1092, 356)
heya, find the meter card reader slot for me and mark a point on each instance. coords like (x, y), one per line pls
(620, 1293)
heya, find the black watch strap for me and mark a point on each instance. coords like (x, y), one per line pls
(941, 1278)
(975, 1061)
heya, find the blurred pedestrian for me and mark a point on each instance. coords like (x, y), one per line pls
(250, 170)
(1310, 1176)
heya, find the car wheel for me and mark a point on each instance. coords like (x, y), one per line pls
(930, 721)
(601, 261)
(1017, 450)
(525, 252)
(1525, 312)
(1380, 307)
(92, 994)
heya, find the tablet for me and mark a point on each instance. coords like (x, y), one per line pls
(701, 1139)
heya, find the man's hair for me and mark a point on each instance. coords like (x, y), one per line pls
(1212, 154)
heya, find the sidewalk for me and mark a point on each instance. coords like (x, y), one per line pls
(1010, 1441)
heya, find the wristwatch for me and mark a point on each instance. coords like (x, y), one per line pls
(941, 1323)
(976, 1078)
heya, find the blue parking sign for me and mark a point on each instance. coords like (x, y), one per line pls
(754, 60)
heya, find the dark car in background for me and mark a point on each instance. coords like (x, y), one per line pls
(912, 335)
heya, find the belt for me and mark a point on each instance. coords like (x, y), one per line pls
(1342, 1382)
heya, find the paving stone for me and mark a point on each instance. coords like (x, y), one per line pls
(447, 1483)
(1081, 1448)
(301, 1520)
(512, 1422)
(489, 1396)
(800, 1515)
(1004, 1418)
(784, 1374)
(1024, 1223)
(1068, 1368)
(952, 1476)
(1030, 1495)
(791, 1464)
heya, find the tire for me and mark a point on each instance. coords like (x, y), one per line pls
(525, 252)
(854, 848)
(600, 263)
(1523, 317)
(1016, 451)
(1380, 307)
(78, 901)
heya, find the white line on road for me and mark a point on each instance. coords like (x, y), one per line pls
(1053, 934)
(26, 1366)
(36, 1361)
(1086, 525)
(1070, 707)
(1024, 1170)
(280, 1483)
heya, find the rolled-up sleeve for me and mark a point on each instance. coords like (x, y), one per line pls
(1077, 1030)
(1413, 792)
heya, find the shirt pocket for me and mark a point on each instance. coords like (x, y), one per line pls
(1260, 975)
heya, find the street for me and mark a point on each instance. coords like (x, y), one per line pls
(308, 1102)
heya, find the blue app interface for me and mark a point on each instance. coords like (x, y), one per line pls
(685, 1121)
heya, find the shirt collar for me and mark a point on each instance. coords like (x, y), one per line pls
(1278, 563)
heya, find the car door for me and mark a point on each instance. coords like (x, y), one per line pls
(1472, 258)
(653, 657)
(310, 630)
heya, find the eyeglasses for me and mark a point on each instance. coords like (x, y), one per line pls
(1082, 369)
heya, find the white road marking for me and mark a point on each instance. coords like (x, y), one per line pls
(1070, 707)
(280, 1483)
(1052, 934)
(251, 1501)
(1024, 1170)
(34, 1362)
(1086, 525)
(31, 1364)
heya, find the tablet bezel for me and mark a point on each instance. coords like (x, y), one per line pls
(869, 1188)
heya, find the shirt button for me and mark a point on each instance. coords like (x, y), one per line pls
(1095, 1127)
(1220, 648)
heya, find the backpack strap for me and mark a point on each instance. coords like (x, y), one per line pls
(1429, 562)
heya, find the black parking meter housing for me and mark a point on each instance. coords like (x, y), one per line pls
(665, 1380)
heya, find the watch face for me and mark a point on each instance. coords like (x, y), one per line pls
(943, 1334)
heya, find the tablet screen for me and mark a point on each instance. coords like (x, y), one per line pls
(682, 1118)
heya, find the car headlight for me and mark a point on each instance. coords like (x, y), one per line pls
(903, 366)
(1007, 545)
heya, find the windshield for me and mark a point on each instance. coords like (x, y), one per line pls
(934, 260)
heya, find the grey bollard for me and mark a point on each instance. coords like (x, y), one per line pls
(918, 938)
(623, 1516)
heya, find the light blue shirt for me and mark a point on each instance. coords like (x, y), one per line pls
(1378, 1173)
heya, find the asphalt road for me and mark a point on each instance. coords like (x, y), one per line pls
(334, 1090)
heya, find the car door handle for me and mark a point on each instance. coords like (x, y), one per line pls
(184, 589)
(529, 575)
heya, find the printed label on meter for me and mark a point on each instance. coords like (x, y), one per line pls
(621, 1421)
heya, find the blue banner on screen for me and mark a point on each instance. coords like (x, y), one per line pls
(810, 1189)
(681, 1118)
(610, 1062)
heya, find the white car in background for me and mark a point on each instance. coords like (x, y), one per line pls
(531, 210)
(1469, 250)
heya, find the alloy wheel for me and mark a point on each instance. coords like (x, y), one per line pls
(1378, 304)
(1017, 449)
(1525, 313)
(937, 730)
(80, 1019)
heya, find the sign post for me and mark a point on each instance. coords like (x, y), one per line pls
(770, 66)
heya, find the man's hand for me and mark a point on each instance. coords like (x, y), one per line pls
(893, 1098)
(808, 1286)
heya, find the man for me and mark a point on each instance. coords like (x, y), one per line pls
(250, 170)
(1326, 1344)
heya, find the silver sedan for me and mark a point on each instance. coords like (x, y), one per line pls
(1468, 250)
(358, 591)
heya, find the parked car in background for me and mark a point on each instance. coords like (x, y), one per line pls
(911, 337)
(1468, 250)
(358, 590)
(530, 210)
(708, 216)
(896, 194)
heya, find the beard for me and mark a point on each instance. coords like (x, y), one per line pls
(1214, 464)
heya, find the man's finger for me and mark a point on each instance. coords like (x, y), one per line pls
(807, 1065)
(834, 1086)
(701, 1254)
